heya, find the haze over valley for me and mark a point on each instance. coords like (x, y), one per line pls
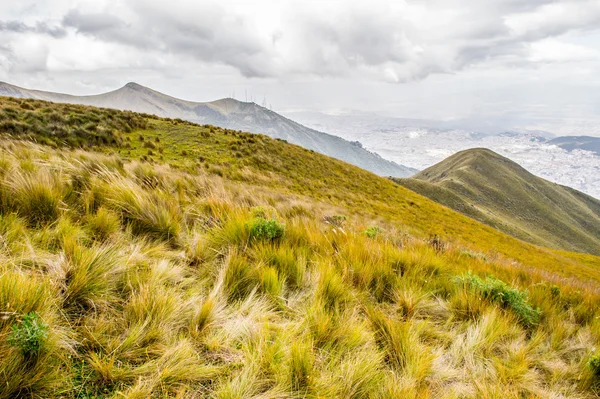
(420, 144)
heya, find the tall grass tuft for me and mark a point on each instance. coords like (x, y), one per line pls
(89, 276)
(147, 213)
(103, 224)
(301, 367)
(400, 342)
(36, 196)
(240, 278)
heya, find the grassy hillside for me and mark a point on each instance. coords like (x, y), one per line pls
(494, 190)
(227, 113)
(247, 267)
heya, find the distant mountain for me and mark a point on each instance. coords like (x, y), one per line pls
(494, 190)
(228, 113)
(571, 143)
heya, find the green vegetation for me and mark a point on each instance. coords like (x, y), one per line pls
(372, 231)
(594, 363)
(66, 124)
(29, 335)
(498, 291)
(228, 277)
(264, 229)
(496, 191)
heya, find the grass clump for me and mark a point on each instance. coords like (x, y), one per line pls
(149, 213)
(501, 293)
(103, 224)
(239, 279)
(89, 276)
(29, 335)
(301, 367)
(36, 196)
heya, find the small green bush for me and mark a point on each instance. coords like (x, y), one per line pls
(266, 229)
(372, 232)
(29, 335)
(501, 293)
(594, 364)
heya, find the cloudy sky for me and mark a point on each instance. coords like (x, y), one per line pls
(518, 63)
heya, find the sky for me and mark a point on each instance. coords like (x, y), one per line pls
(526, 64)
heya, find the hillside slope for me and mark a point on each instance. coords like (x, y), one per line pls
(494, 190)
(169, 259)
(227, 113)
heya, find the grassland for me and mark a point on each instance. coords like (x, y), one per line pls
(187, 261)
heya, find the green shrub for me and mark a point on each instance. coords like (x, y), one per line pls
(29, 335)
(501, 293)
(266, 229)
(372, 232)
(594, 364)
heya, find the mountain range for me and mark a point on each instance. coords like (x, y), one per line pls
(496, 191)
(227, 113)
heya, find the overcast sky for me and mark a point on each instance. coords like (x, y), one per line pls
(522, 63)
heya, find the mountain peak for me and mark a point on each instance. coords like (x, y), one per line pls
(134, 86)
(483, 162)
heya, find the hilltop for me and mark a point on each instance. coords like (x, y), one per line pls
(494, 190)
(227, 113)
(150, 257)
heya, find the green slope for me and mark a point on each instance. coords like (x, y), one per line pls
(496, 191)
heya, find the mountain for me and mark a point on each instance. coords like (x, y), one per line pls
(571, 143)
(156, 258)
(228, 113)
(494, 190)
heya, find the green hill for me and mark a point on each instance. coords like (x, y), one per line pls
(496, 191)
(146, 257)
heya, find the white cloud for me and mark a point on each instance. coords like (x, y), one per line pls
(376, 39)
(554, 50)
